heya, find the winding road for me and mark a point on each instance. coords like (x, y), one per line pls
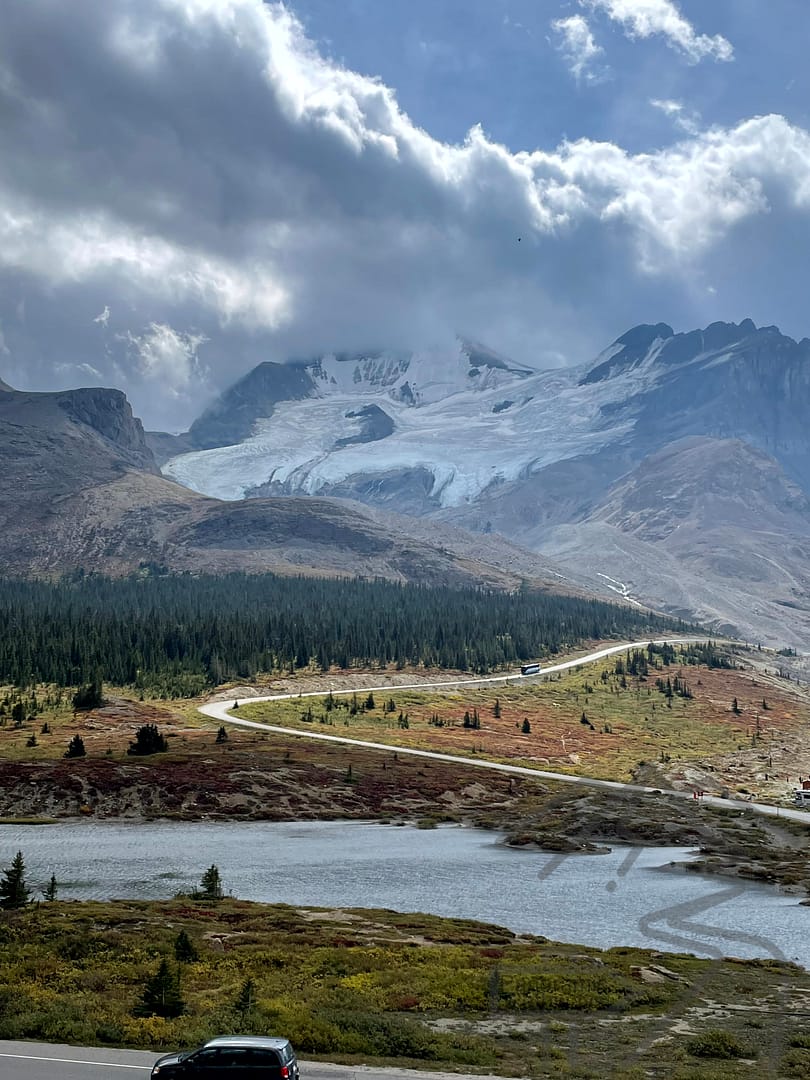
(222, 711)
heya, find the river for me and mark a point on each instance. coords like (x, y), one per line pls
(632, 896)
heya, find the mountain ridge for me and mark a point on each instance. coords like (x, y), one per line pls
(82, 491)
(538, 455)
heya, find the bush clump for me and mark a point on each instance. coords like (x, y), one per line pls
(719, 1044)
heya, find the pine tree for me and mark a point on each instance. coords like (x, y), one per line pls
(75, 747)
(184, 949)
(222, 736)
(496, 709)
(211, 884)
(527, 727)
(370, 702)
(161, 996)
(51, 888)
(13, 890)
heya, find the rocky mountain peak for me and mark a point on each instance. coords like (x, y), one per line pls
(232, 416)
(109, 413)
(659, 345)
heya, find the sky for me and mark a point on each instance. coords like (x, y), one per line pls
(190, 187)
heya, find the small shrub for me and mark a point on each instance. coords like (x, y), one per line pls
(719, 1044)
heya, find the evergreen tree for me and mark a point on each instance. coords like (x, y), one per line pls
(211, 884)
(18, 714)
(51, 888)
(496, 709)
(14, 892)
(75, 747)
(31, 740)
(185, 951)
(161, 995)
(176, 635)
(246, 998)
(148, 740)
(735, 708)
(527, 727)
(370, 702)
(89, 696)
(222, 736)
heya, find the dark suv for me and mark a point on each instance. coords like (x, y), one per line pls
(237, 1057)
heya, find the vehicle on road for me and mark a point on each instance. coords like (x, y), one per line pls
(530, 669)
(237, 1057)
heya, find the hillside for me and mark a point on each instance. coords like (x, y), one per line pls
(82, 490)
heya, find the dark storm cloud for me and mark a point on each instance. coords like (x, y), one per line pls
(198, 172)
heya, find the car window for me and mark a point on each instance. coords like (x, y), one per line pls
(205, 1059)
(262, 1059)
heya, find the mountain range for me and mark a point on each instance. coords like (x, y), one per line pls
(673, 470)
(82, 491)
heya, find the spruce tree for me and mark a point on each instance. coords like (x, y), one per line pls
(527, 727)
(246, 998)
(75, 747)
(222, 736)
(211, 884)
(89, 696)
(161, 995)
(185, 951)
(148, 740)
(13, 890)
(51, 888)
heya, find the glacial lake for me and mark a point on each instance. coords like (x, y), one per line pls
(632, 896)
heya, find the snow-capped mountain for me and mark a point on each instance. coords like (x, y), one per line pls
(458, 422)
(589, 465)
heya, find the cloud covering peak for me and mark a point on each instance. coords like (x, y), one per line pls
(226, 194)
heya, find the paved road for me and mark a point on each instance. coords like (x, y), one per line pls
(221, 710)
(42, 1061)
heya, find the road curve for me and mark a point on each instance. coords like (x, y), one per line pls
(220, 710)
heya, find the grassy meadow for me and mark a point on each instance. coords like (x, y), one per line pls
(597, 720)
(378, 986)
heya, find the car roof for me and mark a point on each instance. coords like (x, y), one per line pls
(259, 1041)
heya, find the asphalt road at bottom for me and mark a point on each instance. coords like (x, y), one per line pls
(47, 1061)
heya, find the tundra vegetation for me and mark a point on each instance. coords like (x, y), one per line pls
(662, 708)
(383, 987)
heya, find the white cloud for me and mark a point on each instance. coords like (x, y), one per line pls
(578, 45)
(297, 208)
(167, 357)
(686, 119)
(104, 317)
(645, 18)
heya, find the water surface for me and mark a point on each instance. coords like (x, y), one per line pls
(631, 896)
